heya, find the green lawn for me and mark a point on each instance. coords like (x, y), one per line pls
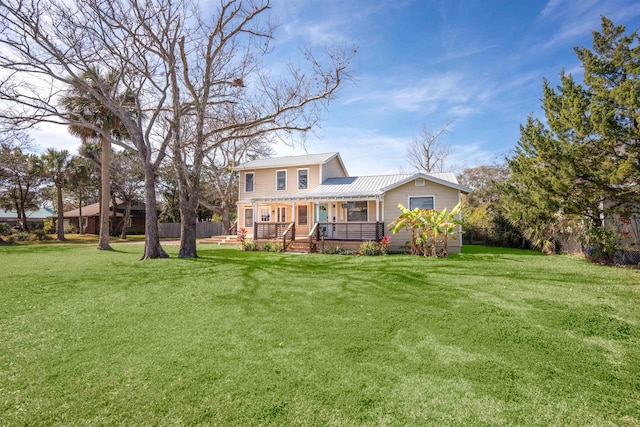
(488, 337)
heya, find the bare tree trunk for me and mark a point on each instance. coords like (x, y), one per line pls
(152, 248)
(125, 219)
(80, 227)
(60, 225)
(188, 232)
(103, 241)
(114, 217)
(226, 217)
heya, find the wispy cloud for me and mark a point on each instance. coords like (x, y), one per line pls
(574, 19)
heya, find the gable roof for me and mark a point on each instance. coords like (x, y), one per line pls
(302, 160)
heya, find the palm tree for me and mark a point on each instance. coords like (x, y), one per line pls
(58, 166)
(91, 120)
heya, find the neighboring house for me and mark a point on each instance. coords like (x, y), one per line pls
(91, 218)
(314, 196)
(34, 218)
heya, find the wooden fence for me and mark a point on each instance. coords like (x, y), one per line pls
(203, 229)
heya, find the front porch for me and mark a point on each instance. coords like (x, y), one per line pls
(322, 234)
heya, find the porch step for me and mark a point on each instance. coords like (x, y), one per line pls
(222, 240)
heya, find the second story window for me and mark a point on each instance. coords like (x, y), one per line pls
(281, 180)
(248, 182)
(303, 179)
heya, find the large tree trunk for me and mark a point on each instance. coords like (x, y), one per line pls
(188, 220)
(226, 218)
(105, 196)
(60, 224)
(152, 248)
(113, 231)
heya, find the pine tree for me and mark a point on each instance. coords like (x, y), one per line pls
(584, 163)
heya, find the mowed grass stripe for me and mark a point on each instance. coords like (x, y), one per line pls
(490, 336)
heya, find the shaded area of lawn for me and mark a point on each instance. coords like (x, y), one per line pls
(490, 336)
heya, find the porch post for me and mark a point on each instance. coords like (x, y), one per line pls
(377, 210)
(255, 216)
(293, 211)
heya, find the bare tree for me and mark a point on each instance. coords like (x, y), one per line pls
(219, 183)
(127, 182)
(427, 153)
(48, 46)
(197, 80)
(221, 92)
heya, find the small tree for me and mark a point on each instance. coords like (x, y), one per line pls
(429, 228)
(58, 167)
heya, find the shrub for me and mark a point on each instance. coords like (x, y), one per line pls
(332, 250)
(48, 226)
(71, 229)
(40, 234)
(277, 247)
(242, 235)
(599, 243)
(5, 230)
(249, 245)
(23, 236)
(370, 248)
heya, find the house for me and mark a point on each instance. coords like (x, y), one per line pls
(311, 200)
(91, 218)
(35, 219)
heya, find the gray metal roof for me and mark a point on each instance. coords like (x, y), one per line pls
(365, 186)
(275, 162)
(358, 185)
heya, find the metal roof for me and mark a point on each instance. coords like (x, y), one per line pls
(354, 187)
(37, 214)
(357, 185)
(275, 162)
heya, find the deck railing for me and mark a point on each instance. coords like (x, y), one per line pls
(313, 237)
(359, 231)
(270, 230)
(289, 235)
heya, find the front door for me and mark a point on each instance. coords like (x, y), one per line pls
(323, 216)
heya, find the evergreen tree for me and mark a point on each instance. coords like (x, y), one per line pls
(584, 163)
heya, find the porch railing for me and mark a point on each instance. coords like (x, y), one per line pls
(270, 230)
(313, 238)
(233, 230)
(289, 235)
(359, 231)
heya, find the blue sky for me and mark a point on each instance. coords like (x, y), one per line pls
(477, 64)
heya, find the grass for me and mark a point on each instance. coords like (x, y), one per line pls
(487, 337)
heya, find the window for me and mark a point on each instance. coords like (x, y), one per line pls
(248, 182)
(248, 217)
(281, 180)
(422, 202)
(357, 211)
(302, 215)
(303, 179)
(264, 213)
(282, 214)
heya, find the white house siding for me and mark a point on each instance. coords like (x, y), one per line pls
(445, 197)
